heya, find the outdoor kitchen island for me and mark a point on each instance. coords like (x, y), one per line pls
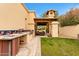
(10, 44)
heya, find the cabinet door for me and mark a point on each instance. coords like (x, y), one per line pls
(5, 48)
(15, 46)
(0, 47)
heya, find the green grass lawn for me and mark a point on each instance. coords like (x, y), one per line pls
(59, 47)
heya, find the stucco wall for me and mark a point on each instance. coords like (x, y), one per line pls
(12, 16)
(69, 31)
(54, 30)
(30, 21)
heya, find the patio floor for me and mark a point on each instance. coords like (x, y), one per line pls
(31, 49)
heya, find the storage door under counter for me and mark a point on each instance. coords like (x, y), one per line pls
(17, 43)
(15, 46)
(9, 47)
(5, 48)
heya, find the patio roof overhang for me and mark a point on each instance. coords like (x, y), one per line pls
(45, 19)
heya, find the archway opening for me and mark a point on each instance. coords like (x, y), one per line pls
(42, 28)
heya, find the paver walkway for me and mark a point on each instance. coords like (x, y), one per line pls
(33, 48)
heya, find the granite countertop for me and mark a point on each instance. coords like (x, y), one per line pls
(13, 36)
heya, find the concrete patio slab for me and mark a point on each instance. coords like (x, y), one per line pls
(33, 48)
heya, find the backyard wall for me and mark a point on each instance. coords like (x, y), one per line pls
(69, 31)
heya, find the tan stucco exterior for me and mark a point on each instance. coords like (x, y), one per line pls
(30, 21)
(11, 16)
(15, 16)
(54, 28)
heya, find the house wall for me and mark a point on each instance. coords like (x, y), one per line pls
(12, 16)
(69, 31)
(30, 21)
(15, 16)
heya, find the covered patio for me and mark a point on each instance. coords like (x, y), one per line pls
(45, 26)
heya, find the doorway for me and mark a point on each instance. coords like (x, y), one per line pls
(42, 28)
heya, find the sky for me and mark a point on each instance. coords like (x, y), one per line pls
(41, 8)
